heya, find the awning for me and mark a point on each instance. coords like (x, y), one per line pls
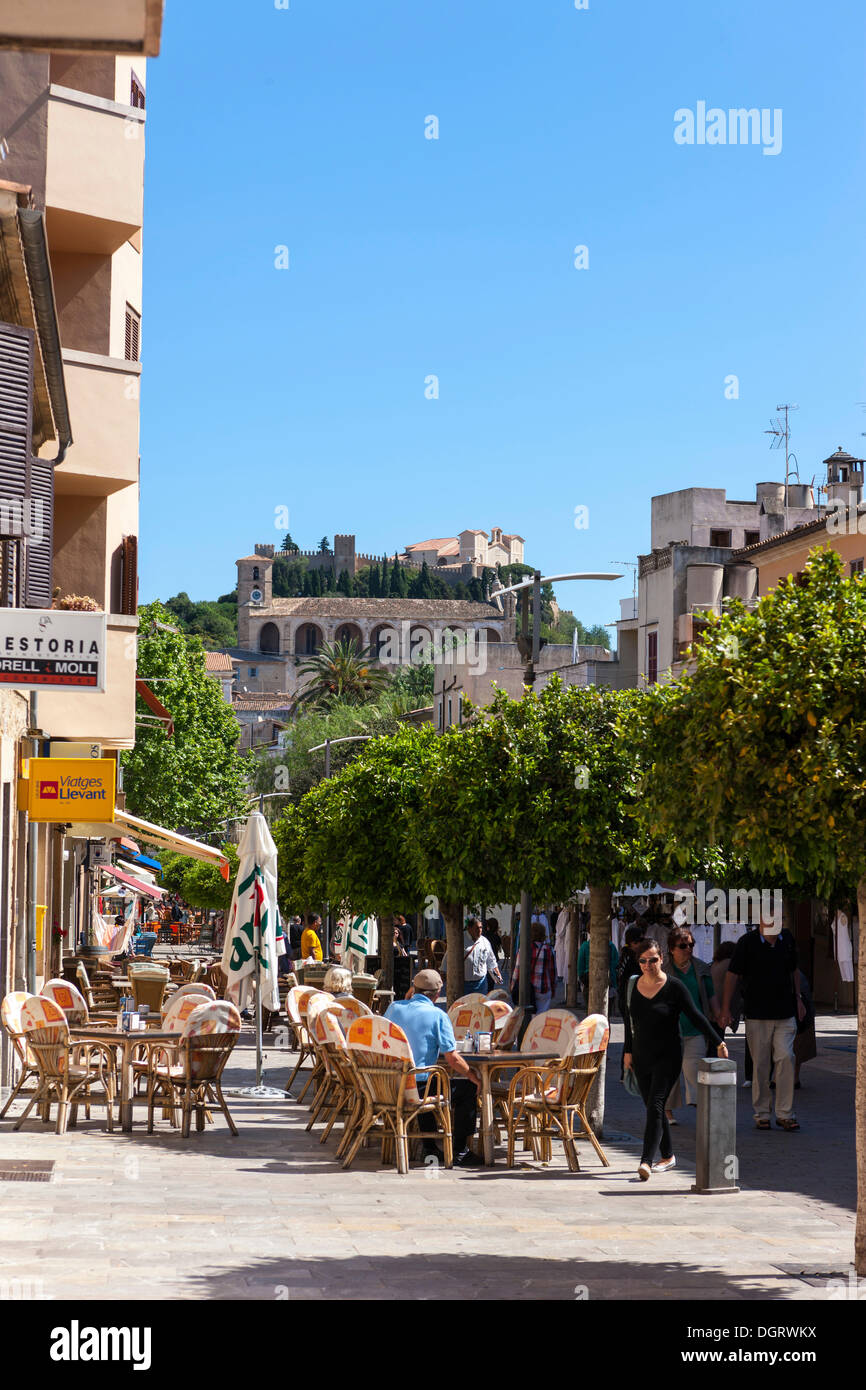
(158, 708)
(138, 885)
(169, 839)
(131, 846)
(146, 862)
(144, 874)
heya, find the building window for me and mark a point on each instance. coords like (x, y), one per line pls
(751, 537)
(652, 658)
(255, 572)
(132, 344)
(136, 93)
(254, 671)
(721, 539)
(450, 715)
(857, 569)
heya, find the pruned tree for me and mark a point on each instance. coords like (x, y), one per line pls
(762, 750)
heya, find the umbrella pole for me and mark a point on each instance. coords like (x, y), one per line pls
(259, 978)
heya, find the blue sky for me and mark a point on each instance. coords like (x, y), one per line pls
(305, 388)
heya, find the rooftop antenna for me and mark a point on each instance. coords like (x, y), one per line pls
(630, 564)
(780, 429)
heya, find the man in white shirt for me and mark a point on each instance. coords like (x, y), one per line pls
(478, 960)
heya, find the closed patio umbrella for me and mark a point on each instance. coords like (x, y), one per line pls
(249, 958)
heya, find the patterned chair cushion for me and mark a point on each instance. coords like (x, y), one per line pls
(68, 997)
(467, 1016)
(217, 1016)
(178, 1010)
(43, 1016)
(380, 1036)
(554, 1031)
(327, 1028)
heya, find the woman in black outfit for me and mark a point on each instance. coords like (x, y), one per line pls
(653, 1048)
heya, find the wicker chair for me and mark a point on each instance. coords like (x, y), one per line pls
(363, 988)
(69, 999)
(313, 1005)
(148, 984)
(467, 1015)
(338, 1092)
(544, 1100)
(10, 1012)
(189, 1075)
(67, 1071)
(386, 1073)
(201, 990)
(213, 976)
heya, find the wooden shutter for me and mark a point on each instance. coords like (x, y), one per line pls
(129, 576)
(40, 535)
(132, 346)
(16, 425)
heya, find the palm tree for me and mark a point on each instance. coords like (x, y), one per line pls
(341, 671)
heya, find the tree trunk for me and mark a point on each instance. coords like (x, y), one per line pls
(386, 950)
(860, 1089)
(600, 895)
(573, 948)
(453, 914)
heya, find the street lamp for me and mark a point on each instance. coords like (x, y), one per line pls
(349, 738)
(532, 652)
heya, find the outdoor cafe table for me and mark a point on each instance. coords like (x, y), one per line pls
(483, 1063)
(125, 1044)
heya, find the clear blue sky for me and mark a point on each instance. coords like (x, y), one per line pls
(409, 257)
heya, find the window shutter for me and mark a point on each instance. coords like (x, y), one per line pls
(40, 535)
(16, 425)
(129, 577)
(132, 345)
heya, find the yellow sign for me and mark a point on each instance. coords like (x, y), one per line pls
(71, 789)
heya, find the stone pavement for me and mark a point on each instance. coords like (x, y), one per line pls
(270, 1215)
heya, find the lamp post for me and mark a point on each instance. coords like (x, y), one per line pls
(531, 651)
(317, 748)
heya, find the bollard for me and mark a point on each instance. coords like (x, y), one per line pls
(716, 1167)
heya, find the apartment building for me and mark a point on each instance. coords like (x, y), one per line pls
(71, 196)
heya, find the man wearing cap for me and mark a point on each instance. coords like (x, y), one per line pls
(431, 1037)
(764, 963)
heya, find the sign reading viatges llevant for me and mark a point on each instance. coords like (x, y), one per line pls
(49, 649)
(71, 789)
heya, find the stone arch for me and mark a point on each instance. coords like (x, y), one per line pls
(308, 639)
(350, 632)
(420, 644)
(490, 634)
(384, 641)
(269, 638)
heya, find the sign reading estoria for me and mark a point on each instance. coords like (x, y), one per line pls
(49, 649)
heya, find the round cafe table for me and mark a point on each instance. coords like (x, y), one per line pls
(124, 1044)
(485, 1063)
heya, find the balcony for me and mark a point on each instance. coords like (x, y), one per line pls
(107, 718)
(103, 403)
(83, 26)
(94, 181)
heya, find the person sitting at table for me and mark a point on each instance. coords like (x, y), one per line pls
(431, 1036)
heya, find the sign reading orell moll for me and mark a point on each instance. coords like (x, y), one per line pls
(71, 789)
(49, 649)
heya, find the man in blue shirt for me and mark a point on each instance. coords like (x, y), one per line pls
(430, 1037)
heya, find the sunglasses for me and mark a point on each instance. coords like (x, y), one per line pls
(685, 946)
(649, 960)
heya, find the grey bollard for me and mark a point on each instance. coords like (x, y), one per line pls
(716, 1166)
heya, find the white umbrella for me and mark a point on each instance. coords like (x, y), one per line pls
(250, 951)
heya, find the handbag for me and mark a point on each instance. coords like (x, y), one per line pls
(629, 1080)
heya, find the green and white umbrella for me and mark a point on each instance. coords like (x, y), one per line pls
(249, 958)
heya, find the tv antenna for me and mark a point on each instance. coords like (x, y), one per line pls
(780, 429)
(629, 564)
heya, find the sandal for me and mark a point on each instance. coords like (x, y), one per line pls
(762, 1124)
(786, 1124)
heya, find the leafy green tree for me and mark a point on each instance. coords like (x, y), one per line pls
(288, 546)
(399, 585)
(287, 575)
(344, 584)
(340, 671)
(196, 778)
(767, 735)
(324, 546)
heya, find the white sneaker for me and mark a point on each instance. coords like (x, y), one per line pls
(644, 1172)
(745, 1084)
(664, 1165)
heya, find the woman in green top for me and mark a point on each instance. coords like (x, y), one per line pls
(682, 964)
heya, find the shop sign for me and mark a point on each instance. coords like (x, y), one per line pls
(50, 649)
(71, 789)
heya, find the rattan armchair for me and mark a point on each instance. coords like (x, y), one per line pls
(67, 1071)
(10, 1012)
(387, 1077)
(189, 1075)
(149, 984)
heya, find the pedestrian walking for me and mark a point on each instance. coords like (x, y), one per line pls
(765, 965)
(654, 1049)
(682, 964)
(542, 971)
